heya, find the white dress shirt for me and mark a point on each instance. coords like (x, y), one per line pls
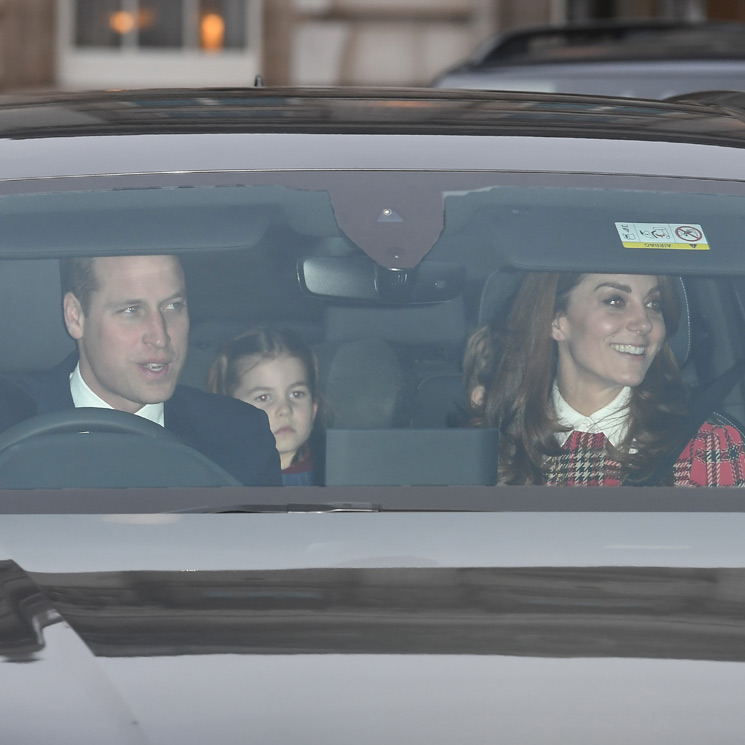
(611, 420)
(82, 395)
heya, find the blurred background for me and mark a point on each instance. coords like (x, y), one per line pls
(76, 44)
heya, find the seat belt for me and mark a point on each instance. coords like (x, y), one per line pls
(703, 406)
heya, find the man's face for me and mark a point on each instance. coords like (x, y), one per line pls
(134, 338)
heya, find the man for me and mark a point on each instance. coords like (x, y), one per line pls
(129, 317)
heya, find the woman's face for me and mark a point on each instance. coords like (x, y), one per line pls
(279, 386)
(608, 337)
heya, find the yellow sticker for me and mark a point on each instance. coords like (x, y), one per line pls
(662, 235)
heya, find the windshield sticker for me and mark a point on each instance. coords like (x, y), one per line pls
(677, 236)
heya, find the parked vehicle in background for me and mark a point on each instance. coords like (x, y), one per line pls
(632, 59)
(406, 599)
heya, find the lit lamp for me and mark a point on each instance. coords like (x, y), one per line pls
(212, 32)
(121, 22)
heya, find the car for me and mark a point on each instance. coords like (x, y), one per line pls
(636, 59)
(405, 597)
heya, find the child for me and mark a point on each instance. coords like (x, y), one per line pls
(480, 362)
(275, 370)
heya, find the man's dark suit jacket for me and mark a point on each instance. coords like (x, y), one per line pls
(233, 434)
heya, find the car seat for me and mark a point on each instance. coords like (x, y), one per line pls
(411, 343)
(425, 340)
(33, 335)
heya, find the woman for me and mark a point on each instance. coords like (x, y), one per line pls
(588, 390)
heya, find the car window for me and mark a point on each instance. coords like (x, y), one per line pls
(383, 287)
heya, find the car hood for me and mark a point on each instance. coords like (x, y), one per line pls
(369, 628)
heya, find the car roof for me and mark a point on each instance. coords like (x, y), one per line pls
(62, 135)
(365, 111)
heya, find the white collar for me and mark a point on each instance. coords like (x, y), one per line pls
(611, 420)
(82, 395)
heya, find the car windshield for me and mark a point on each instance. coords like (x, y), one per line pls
(373, 318)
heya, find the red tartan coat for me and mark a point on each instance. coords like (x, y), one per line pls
(715, 457)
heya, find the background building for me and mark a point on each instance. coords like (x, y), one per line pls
(124, 43)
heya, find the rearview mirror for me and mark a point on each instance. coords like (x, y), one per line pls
(360, 278)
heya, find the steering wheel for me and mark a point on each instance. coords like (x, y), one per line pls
(84, 419)
(49, 454)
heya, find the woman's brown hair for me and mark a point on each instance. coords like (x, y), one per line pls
(518, 400)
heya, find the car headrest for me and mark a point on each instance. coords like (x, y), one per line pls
(501, 287)
(205, 341)
(33, 334)
(497, 295)
(362, 383)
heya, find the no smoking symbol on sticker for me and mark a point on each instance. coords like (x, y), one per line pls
(688, 233)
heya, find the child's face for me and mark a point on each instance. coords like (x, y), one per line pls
(279, 386)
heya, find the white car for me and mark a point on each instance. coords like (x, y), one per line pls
(148, 596)
(633, 59)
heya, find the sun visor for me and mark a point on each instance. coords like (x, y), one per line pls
(122, 221)
(626, 232)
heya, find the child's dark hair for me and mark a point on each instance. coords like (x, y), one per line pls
(264, 342)
(480, 361)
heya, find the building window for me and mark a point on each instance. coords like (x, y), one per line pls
(100, 23)
(160, 24)
(209, 25)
